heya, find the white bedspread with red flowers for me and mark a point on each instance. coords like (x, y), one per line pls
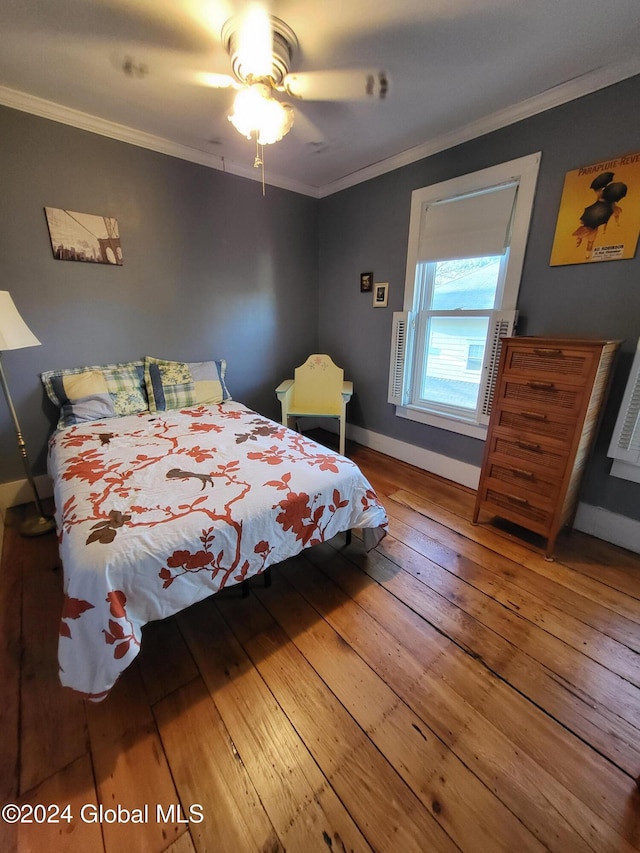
(158, 510)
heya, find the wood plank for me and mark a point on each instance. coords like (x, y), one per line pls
(592, 778)
(131, 767)
(371, 701)
(300, 803)
(590, 679)
(466, 809)
(604, 562)
(357, 771)
(458, 501)
(73, 787)
(586, 608)
(53, 727)
(446, 542)
(607, 732)
(10, 654)
(208, 771)
(510, 547)
(456, 498)
(451, 574)
(184, 844)
(468, 732)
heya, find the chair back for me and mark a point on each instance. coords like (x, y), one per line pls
(318, 386)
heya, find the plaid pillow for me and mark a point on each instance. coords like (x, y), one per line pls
(94, 393)
(178, 384)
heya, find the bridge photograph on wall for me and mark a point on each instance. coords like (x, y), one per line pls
(83, 237)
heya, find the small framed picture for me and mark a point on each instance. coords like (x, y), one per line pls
(366, 282)
(380, 294)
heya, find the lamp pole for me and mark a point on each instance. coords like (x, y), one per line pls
(42, 523)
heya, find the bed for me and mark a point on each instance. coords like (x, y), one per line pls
(159, 508)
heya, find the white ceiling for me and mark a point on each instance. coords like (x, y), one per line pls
(456, 67)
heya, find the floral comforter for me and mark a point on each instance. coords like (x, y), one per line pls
(158, 510)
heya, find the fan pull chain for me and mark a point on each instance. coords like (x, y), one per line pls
(259, 162)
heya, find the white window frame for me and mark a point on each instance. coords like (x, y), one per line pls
(523, 171)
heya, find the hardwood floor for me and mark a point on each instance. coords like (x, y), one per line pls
(450, 690)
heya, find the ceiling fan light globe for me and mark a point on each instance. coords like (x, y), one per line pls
(257, 114)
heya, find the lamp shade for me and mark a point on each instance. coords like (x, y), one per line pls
(14, 332)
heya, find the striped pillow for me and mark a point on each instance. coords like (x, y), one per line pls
(179, 384)
(97, 392)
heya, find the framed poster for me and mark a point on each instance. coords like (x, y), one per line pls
(599, 215)
(83, 237)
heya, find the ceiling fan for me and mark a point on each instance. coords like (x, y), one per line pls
(261, 48)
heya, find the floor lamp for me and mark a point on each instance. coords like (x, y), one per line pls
(15, 334)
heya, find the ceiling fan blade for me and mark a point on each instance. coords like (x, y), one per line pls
(357, 84)
(170, 67)
(306, 130)
(215, 81)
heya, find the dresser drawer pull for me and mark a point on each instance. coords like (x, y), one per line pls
(534, 416)
(516, 500)
(520, 472)
(545, 351)
(526, 445)
(542, 386)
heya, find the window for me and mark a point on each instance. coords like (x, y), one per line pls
(475, 356)
(625, 442)
(467, 239)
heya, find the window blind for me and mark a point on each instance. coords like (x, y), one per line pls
(471, 226)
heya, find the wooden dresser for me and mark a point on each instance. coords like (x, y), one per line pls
(548, 396)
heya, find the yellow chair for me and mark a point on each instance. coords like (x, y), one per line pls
(318, 391)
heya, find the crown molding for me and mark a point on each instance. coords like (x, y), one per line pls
(122, 133)
(555, 97)
(600, 78)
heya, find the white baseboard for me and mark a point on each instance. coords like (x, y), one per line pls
(616, 529)
(19, 491)
(451, 469)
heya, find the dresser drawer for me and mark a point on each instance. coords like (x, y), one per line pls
(518, 478)
(552, 427)
(529, 513)
(524, 453)
(569, 364)
(544, 394)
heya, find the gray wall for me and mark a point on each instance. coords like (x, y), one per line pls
(211, 270)
(366, 228)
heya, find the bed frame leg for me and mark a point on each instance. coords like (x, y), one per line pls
(348, 539)
(244, 586)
